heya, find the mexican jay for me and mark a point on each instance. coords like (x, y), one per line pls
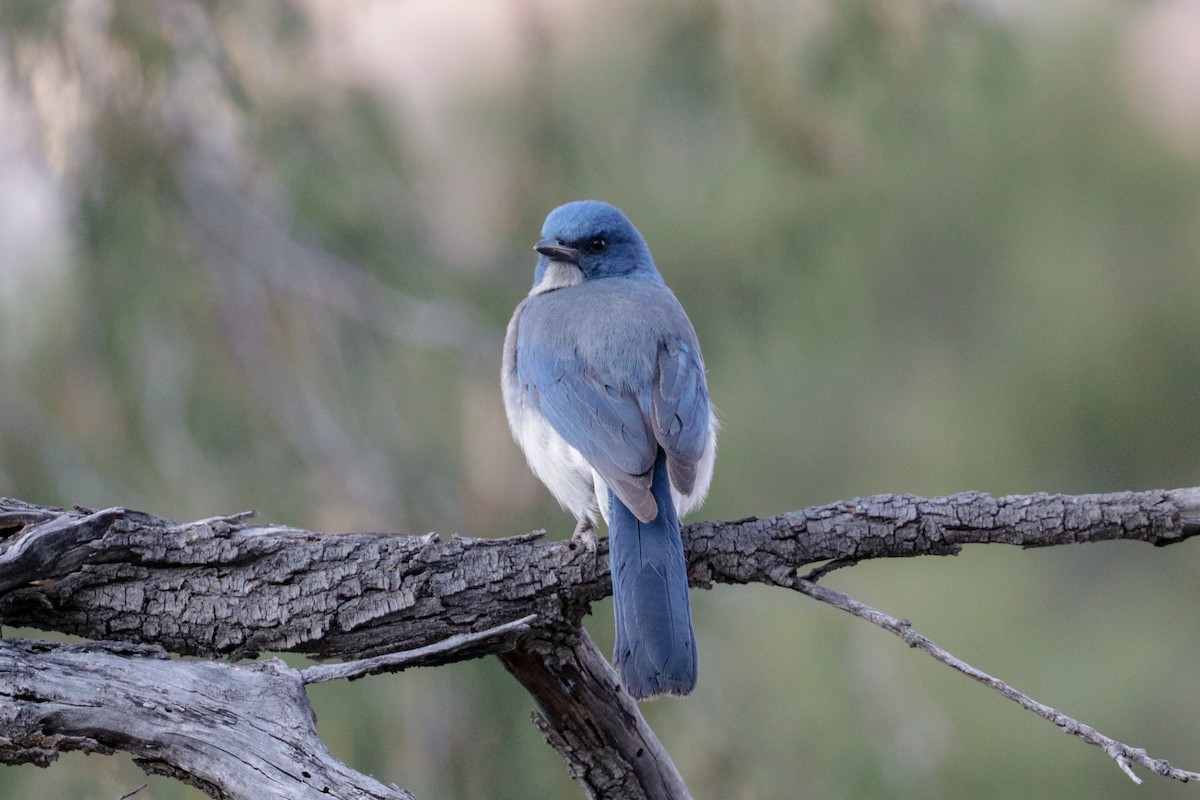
(604, 388)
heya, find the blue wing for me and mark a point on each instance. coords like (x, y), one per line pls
(617, 405)
(597, 417)
(680, 408)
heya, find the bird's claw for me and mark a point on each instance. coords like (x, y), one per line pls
(584, 535)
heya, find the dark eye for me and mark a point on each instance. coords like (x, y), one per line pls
(595, 245)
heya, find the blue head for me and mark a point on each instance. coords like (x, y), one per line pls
(588, 239)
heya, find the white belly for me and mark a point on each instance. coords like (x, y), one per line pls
(576, 486)
(568, 476)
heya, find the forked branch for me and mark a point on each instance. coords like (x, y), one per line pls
(221, 587)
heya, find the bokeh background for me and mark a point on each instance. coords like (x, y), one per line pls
(261, 254)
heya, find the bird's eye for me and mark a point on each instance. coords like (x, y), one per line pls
(595, 245)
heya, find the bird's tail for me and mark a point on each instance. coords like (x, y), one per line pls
(656, 648)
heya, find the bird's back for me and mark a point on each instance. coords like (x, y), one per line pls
(617, 322)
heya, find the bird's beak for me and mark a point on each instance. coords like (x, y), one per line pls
(556, 251)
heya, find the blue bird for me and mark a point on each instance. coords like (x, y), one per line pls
(604, 389)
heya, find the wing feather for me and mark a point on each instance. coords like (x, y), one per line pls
(618, 405)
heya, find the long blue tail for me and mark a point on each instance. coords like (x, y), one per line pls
(656, 648)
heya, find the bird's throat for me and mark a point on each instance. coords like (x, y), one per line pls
(558, 275)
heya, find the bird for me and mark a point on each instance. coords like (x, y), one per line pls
(605, 391)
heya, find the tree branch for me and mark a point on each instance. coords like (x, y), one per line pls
(593, 723)
(1123, 754)
(221, 587)
(232, 731)
(456, 648)
(889, 526)
(119, 574)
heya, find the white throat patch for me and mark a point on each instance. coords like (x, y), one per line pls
(558, 275)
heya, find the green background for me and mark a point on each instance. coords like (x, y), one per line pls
(261, 255)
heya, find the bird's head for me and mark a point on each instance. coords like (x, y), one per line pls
(588, 239)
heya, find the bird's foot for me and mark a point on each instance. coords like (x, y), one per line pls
(584, 535)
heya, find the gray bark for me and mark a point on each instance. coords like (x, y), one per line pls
(232, 731)
(592, 722)
(221, 587)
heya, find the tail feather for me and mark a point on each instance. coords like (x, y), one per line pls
(656, 647)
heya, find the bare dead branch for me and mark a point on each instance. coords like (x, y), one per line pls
(119, 574)
(889, 526)
(221, 587)
(1122, 754)
(233, 731)
(593, 723)
(456, 648)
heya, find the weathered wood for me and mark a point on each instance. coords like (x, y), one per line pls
(889, 526)
(456, 648)
(593, 723)
(232, 731)
(222, 587)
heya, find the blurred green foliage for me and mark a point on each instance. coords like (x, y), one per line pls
(260, 255)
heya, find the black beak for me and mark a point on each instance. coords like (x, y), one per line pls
(559, 252)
